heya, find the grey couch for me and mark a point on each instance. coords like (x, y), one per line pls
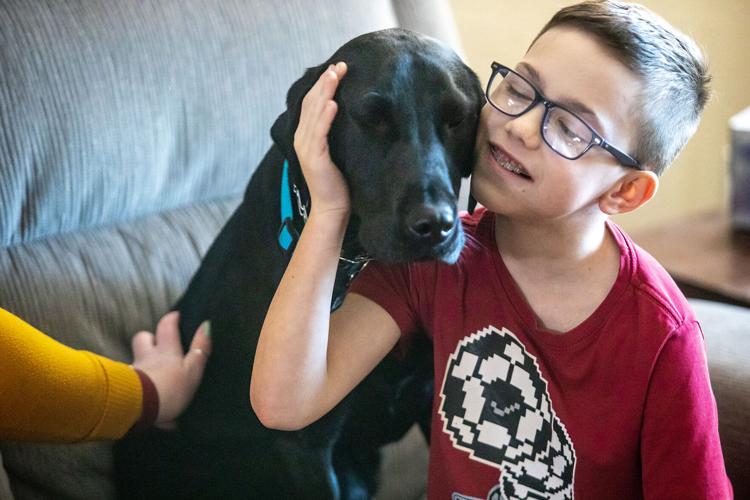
(726, 329)
(128, 131)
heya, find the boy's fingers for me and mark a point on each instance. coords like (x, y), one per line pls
(327, 85)
(313, 107)
(310, 138)
(332, 82)
(341, 68)
(317, 96)
(323, 126)
(327, 82)
(323, 90)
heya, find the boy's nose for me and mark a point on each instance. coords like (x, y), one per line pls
(527, 127)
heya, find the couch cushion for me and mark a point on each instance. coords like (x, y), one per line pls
(404, 468)
(160, 103)
(727, 332)
(93, 290)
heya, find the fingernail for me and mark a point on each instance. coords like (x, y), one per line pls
(206, 328)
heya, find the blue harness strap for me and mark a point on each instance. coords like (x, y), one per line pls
(288, 233)
(285, 237)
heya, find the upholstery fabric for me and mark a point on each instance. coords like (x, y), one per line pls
(93, 290)
(128, 132)
(162, 102)
(726, 329)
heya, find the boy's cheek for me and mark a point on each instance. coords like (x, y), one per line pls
(491, 123)
(483, 128)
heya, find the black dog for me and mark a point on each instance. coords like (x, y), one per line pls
(403, 137)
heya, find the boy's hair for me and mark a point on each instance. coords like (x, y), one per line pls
(673, 70)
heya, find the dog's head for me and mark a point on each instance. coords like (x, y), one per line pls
(403, 138)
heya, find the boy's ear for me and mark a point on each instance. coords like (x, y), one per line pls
(630, 192)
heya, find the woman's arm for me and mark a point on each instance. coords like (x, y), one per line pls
(51, 392)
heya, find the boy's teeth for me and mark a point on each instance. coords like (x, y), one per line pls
(507, 164)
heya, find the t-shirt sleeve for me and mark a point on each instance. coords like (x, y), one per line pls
(680, 449)
(50, 392)
(390, 287)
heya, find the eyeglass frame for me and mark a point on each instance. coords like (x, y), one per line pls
(596, 140)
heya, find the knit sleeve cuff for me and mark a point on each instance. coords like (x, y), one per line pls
(116, 398)
(150, 407)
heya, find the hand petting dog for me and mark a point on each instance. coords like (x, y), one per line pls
(328, 189)
(175, 376)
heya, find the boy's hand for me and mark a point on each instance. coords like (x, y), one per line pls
(175, 376)
(328, 190)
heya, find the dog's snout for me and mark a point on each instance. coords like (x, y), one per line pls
(430, 223)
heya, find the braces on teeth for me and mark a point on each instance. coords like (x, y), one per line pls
(507, 165)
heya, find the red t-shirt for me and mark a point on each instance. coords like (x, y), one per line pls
(618, 407)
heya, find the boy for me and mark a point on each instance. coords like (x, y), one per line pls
(567, 362)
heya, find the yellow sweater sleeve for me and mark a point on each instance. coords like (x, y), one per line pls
(50, 392)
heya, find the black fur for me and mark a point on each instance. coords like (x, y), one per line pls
(403, 137)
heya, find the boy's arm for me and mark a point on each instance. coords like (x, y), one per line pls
(308, 360)
(680, 449)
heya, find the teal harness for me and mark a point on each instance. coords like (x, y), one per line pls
(288, 231)
(285, 237)
(288, 234)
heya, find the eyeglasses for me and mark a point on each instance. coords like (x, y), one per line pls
(562, 130)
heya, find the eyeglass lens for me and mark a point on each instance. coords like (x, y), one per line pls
(564, 132)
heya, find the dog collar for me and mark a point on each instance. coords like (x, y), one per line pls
(288, 234)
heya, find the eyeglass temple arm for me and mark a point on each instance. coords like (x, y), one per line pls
(624, 159)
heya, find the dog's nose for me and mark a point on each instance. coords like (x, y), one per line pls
(430, 223)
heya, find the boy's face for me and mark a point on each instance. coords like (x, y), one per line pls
(572, 69)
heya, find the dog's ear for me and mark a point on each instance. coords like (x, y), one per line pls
(476, 96)
(471, 88)
(282, 130)
(472, 204)
(478, 101)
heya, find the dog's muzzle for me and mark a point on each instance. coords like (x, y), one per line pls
(430, 224)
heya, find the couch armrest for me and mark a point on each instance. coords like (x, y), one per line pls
(726, 329)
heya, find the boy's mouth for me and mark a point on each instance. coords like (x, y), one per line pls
(508, 163)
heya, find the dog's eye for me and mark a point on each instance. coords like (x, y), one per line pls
(454, 121)
(373, 110)
(454, 113)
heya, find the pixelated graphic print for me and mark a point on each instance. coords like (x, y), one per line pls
(495, 406)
